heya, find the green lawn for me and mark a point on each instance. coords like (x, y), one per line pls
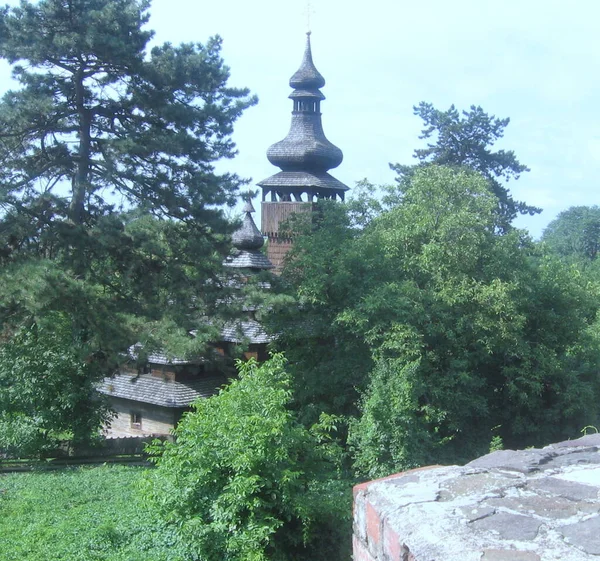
(83, 514)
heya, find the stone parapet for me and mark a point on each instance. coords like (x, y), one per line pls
(531, 505)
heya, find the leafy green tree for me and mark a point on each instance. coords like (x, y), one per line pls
(466, 139)
(466, 335)
(111, 209)
(575, 234)
(46, 388)
(244, 480)
(389, 435)
(327, 362)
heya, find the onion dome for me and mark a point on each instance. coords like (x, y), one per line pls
(305, 155)
(307, 77)
(247, 241)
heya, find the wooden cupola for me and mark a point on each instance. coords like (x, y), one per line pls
(304, 157)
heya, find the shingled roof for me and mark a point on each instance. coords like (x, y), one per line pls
(158, 357)
(147, 388)
(307, 77)
(248, 330)
(304, 180)
(248, 260)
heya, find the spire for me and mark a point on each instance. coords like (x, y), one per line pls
(305, 155)
(248, 236)
(307, 77)
(247, 241)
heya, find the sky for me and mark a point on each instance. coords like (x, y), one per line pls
(536, 62)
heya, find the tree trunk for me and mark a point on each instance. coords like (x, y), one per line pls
(81, 178)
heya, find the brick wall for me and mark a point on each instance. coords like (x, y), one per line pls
(373, 538)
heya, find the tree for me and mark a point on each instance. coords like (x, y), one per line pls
(96, 112)
(465, 139)
(389, 436)
(575, 234)
(327, 362)
(111, 209)
(244, 480)
(46, 389)
(469, 334)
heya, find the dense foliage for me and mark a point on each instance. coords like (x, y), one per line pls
(46, 389)
(111, 212)
(245, 481)
(574, 235)
(419, 326)
(473, 334)
(86, 514)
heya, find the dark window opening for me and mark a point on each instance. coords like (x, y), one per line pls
(136, 420)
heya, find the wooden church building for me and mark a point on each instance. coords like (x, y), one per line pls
(151, 401)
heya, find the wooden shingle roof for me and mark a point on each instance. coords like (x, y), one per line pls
(147, 388)
(247, 241)
(246, 330)
(307, 77)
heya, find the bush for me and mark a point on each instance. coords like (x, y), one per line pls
(245, 481)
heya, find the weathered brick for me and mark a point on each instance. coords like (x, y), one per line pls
(360, 551)
(360, 515)
(373, 530)
(392, 547)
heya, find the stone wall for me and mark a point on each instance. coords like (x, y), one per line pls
(530, 505)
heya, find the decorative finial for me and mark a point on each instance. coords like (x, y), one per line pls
(248, 205)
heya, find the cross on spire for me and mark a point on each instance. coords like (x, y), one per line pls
(308, 12)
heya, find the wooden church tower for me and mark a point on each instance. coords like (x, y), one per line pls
(304, 157)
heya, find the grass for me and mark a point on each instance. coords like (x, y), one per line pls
(81, 514)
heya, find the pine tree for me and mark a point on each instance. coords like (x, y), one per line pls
(111, 211)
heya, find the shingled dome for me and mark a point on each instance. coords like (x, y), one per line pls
(304, 155)
(248, 236)
(247, 241)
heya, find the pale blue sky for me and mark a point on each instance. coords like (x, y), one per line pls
(534, 61)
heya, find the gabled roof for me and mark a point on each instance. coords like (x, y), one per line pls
(248, 330)
(147, 388)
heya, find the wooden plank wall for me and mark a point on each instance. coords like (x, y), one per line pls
(274, 214)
